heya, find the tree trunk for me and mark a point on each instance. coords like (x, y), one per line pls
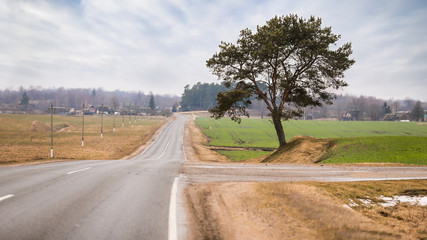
(279, 129)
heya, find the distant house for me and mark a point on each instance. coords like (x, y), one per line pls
(352, 115)
(403, 115)
(390, 117)
(398, 116)
(87, 112)
(92, 109)
(103, 109)
(347, 117)
(60, 110)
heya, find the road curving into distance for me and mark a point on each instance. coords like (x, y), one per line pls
(108, 199)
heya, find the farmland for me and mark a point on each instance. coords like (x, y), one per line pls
(26, 138)
(403, 142)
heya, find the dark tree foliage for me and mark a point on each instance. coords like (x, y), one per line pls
(417, 113)
(386, 109)
(174, 107)
(25, 100)
(152, 103)
(289, 63)
(201, 96)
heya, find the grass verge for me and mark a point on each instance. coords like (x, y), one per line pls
(237, 156)
(405, 218)
(304, 210)
(318, 206)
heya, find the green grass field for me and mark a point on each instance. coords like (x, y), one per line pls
(389, 149)
(237, 156)
(403, 142)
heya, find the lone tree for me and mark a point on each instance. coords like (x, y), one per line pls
(289, 63)
(152, 103)
(417, 113)
(25, 100)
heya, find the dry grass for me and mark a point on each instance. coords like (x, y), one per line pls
(319, 212)
(301, 149)
(26, 138)
(409, 220)
(307, 210)
(195, 147)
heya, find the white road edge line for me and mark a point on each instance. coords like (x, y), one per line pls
(84, 169)
(172, 232)
(182, 144)
(6, 197)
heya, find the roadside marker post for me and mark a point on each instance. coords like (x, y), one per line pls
(102, 118)
(51, 130)
(83, 125)
(114, 116)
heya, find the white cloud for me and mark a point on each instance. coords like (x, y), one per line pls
(161, 46)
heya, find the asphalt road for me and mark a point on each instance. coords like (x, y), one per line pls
(114, 199)
(130, 199)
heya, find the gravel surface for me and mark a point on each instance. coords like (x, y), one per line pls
(220, 172)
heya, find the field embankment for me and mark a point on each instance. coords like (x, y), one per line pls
(26, 138)
(307, 210)
(347, 142)
(302, 149)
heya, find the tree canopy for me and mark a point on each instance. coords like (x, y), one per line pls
(417, 113)
(289, 63)
(152, 103)
(201, 96)
(25, 100)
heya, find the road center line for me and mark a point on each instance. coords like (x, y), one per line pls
(84, 169)
(6, 197)
(164, 151)
(173, 233)
(151, 144)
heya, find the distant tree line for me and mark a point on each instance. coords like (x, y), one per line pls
(368, 108)
(202, 96)
(39, 99)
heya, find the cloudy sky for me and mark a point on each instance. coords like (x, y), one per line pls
(160, 46)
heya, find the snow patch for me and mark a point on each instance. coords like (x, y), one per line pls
(366, 202)
(347, 206)
(413, 200)
(352, 203)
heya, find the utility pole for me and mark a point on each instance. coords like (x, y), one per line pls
(51, 130)
(114, 116)
(130, 116)
(123, 120)
(83, 125)
(102, 118)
